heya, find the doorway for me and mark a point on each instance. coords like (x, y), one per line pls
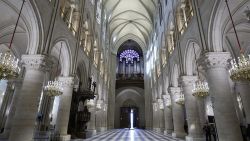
(125, 117)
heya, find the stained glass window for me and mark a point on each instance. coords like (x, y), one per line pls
(129, 56)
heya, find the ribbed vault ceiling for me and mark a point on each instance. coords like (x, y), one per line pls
(130, 17)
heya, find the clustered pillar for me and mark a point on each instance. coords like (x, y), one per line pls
(28, 100)
(64, 108)
(215, 64)
(178, 113)
(169, 127)
(195, 132)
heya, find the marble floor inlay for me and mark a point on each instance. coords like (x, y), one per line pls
(129, 135)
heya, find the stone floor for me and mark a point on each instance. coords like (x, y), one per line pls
(129, 135)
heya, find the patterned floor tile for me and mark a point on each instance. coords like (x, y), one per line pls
(129, 135)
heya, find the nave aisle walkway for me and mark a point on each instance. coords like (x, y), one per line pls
(129, 135)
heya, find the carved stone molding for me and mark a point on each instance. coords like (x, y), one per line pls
(215, 60)
(174, 90)
(167, 100)
(166, 97)
(164, 93)
(36, 62)
(155, 106)
(67, 81)
(188, 80)
(160, 103)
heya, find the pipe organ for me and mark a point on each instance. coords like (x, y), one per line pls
(129, 65)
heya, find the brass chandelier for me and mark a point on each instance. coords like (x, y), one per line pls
(180, 99)
(9, 64)
(54, 88)
(200, 88)
(240, 66)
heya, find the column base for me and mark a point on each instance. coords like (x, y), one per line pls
(188, 138)
(5, 135)
(168, 132)
(178, 135)
(41, 135)
(101, 129)
(90, 133)
(157, 130)
(64, 138)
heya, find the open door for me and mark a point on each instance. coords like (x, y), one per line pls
(125, 117)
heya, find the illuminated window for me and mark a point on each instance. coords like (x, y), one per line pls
(98, 11)
(129, 56)
(171, 42)
(92, 2)
(184, 15)
(164, 57)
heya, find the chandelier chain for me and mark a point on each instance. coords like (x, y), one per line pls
(19, 15)
(195, 58)
(236, 34)
(59, 59)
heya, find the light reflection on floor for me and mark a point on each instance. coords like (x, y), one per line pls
(129, 135)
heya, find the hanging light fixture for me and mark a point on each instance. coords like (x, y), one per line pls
(9, 64)
(200, 87)
(167, 100)
(54, 88)
(240, 66)
(180, 99)
(160, 104)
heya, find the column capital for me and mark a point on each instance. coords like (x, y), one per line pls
(165, 97)
(214, 60)
(67, 81)
(174, 90)
(155, 106)
(36, 62)
(188, 80)
(164, 93)
(160, 103)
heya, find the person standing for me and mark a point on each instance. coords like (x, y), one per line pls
(213, 132)
(207, 131)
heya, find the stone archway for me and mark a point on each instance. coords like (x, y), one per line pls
(130, 97)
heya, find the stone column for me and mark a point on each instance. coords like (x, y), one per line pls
(156, 120)
(8, 95)
(169, 127)
(117, 65)
(99, 114)
(91, 125)
(138, 67)
(129, 70)
(45, 108)
(12, 109)
(215, 64)
(202, 110)
(161, 114)
(123, 67)
(178, 113)
(64, 108)
(102, 114)
(243, 89)
(141, 68)
(28, 100)
(111, 94)
(195, 132)
(135, 63)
